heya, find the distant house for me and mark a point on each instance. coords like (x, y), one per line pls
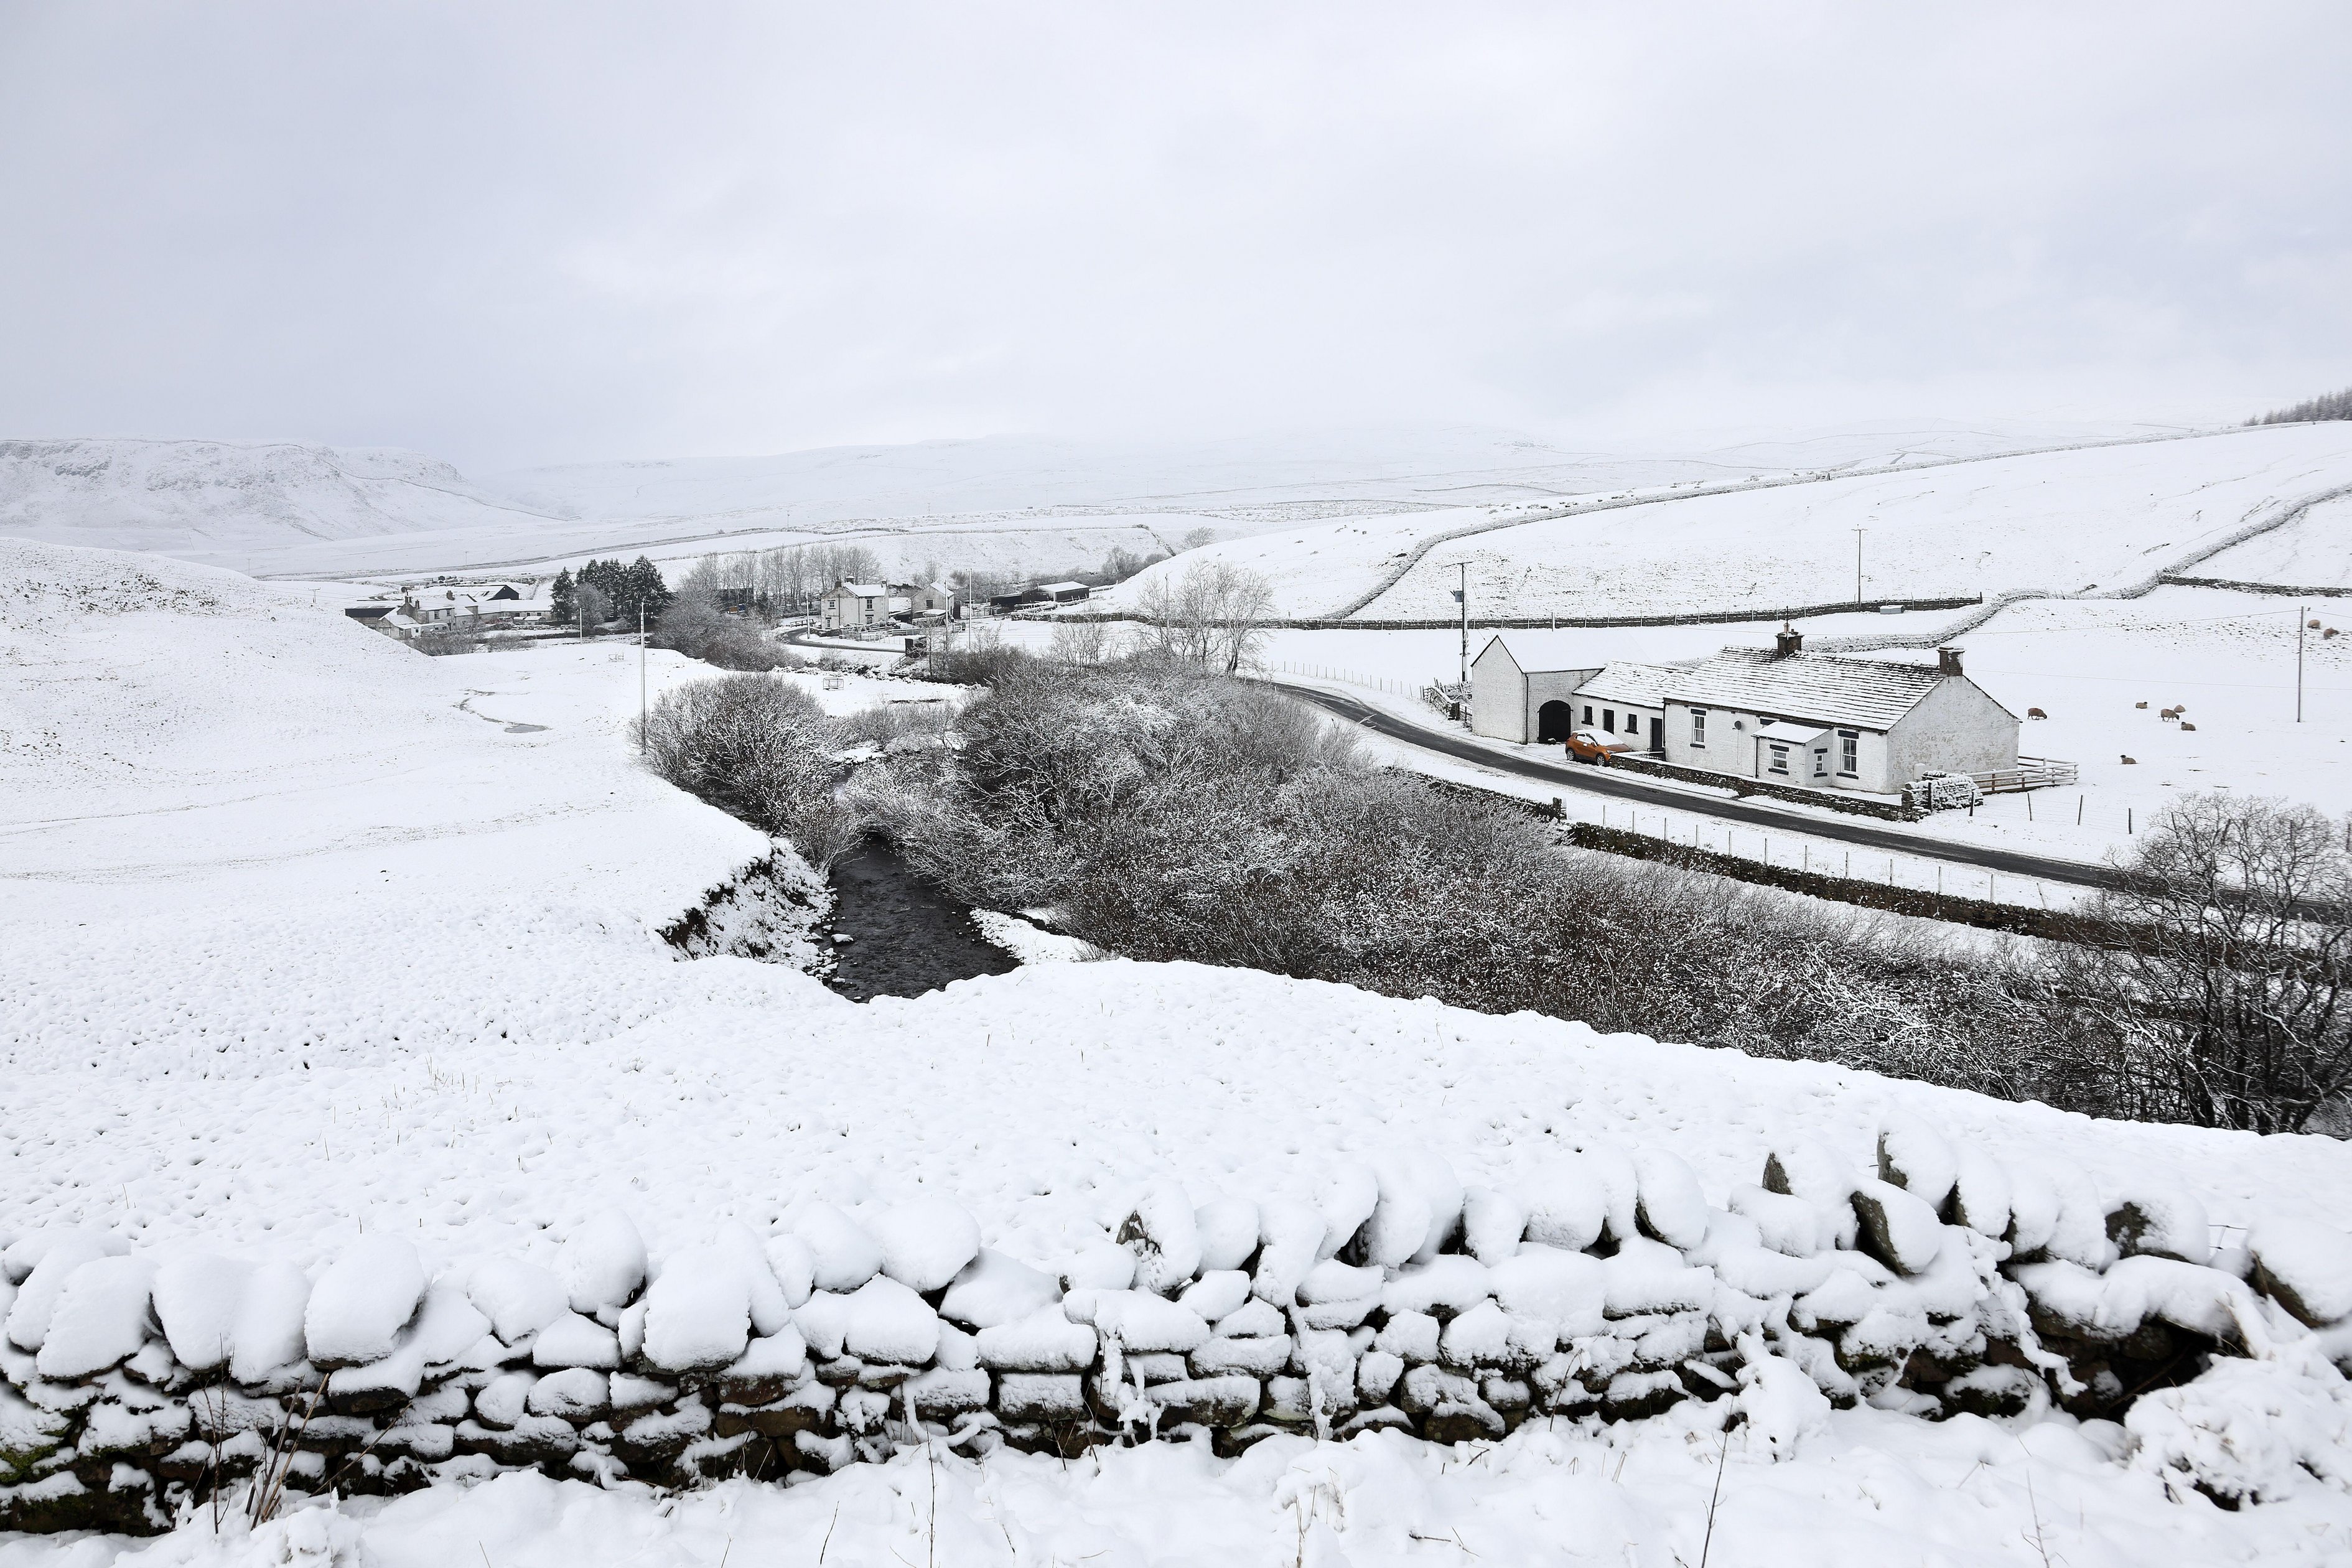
(1510, 701)
(1782, 715)
(846, 606)
(499, 592)
(925, 598)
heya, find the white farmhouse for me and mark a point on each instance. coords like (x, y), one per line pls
(1510, 701)
(1822, 722)
(1782, 715)
(850, 605)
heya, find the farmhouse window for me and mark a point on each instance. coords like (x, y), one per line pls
(1698, 726)
(1609, 720)
(1587, 712)
(1779, 759)
(1849, 753)
(1821, 764)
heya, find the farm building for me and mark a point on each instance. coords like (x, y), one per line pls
(1510, 701)
(1063, 593)
(1780, 714)
(924, 598)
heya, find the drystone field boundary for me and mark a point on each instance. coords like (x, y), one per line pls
(1551, 513)
(139, 1387)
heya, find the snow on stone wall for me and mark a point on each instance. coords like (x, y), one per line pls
(1606, 1288)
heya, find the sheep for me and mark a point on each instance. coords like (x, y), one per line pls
(2139, 704)
(2129, 761)
(2167, 714)
(2185, 724)
(2035, 713)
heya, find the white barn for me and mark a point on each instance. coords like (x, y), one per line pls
(1510, 701)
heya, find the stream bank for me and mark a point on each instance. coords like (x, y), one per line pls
(906, 935)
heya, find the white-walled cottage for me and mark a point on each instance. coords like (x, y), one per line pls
(1824, 721)
(1813, 720)
(1510, 701)
(848, 605)
(1626, 701)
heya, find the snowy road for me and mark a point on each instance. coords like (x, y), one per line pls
(1598, 780)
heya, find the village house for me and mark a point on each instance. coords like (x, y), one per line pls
(850, 607)
(1778, 714)
(924, 598)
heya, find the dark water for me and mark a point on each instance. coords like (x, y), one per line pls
(909, 937)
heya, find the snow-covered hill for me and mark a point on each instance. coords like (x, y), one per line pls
(1001, 503)
(230, 501)
(307, 936)
(2092, 518)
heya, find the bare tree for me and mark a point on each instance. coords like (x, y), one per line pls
(2223, 1000)
(591, 606)
(1199, 536)
(1213, 614)
(1081, 641)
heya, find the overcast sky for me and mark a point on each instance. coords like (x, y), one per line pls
(508, 234)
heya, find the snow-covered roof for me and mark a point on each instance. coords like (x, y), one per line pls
(863, 590)
(1645, 684)
(1790, 734)
(1524, 667)
(1060, 587)
(1865, 692)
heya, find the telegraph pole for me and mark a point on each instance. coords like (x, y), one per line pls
(1462, 598)
(1857, 565)
(2301, 623)
(640, 676)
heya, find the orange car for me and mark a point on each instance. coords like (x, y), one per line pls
(1585, 746)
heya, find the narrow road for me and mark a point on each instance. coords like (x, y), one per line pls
(1631, 786)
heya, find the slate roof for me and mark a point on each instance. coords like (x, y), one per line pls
(1645, 685)
(1861, 693)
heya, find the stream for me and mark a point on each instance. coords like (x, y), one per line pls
(906, 936)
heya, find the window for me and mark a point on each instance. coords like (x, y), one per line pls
(1821, 764)
(1587, 712)
(1849, 753)
(1780, 758)
(1609, 720)
(1698, 726)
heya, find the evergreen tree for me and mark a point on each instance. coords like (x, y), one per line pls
(559, 599)
(643, 589)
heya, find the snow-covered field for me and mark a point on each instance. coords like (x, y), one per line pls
(306, 935)
(2097, 519)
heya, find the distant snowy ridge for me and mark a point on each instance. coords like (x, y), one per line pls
(184, 495)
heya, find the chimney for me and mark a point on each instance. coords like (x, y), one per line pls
(1948, 661)
(1788, 642)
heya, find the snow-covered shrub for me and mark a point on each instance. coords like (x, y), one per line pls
(695, 627)
(759, 748)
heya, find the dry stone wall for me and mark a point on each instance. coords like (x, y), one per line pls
(138, 1388)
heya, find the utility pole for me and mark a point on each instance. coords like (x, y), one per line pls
(1857, 565)
(2301, 623)
(641, 677)
(1462, 598)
